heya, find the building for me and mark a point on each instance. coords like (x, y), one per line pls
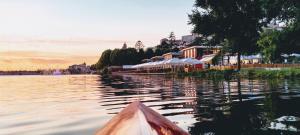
(198, 52)
(188, 39)
(203, 53)
(172, 55)
(79, 69)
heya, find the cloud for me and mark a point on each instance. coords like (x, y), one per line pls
(33, 60)
(73, 41)
(48, 61)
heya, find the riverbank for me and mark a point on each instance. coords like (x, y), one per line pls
(263, 73)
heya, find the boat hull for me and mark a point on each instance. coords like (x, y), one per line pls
(138, 119)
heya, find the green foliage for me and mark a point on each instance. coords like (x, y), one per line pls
(141, 54)
(268, 44)
(237, 21)
(115, 57)
(118, 57)
(282, 10)
(149, 53)
(172, 37)
(289, 41)
(164, 47)
(287, 11)
(211, 74)
(104, 60)
(245, 73)
(265, 74)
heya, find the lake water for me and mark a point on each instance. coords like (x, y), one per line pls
(80, 105)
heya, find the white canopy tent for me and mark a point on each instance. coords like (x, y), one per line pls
(174, 61)
(191, 61)
(168, 63)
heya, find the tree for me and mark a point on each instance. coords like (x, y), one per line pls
(159, 51)
(141, 55)
(268, 44)
(238, 21)
(104, 60)
(118, 57)
(149, 53)
(172, 38)
(131, 57)
(287, 12)
(289, 39)
(115, 57)
(124, 46)
(139, 45)
(273, 43)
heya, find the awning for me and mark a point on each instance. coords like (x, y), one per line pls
(191, 61)
(173, 61)
(207, 58)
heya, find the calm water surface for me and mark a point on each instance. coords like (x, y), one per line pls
(80, 105)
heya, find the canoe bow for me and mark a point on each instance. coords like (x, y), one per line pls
(138, 119)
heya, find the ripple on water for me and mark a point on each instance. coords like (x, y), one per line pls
(76, 105)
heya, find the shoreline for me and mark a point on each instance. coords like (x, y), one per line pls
(248, 73)
(257, 73)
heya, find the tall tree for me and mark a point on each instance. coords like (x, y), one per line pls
(131, 57)
(115, 57)
(287, 41)
(124, 46)
(268, 44)
(149, 53)
(104, 60)
(238, 21)
(172, 38)
(139, 45)
(141, 55)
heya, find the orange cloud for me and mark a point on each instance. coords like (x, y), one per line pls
(72, 41)
(32, 60)
(48, 61)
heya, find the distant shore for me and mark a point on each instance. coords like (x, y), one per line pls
(2, 73)
(20, 73)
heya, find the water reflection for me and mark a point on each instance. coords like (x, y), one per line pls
(76, 105)
(215, 107)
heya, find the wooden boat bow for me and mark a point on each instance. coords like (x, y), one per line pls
(138, 119)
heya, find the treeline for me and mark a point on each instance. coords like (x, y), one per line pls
(127, 56)
(132, 56)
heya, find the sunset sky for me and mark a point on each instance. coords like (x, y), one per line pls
(43, 34)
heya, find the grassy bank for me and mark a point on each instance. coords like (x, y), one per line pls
(246, 73)
(270, 73)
